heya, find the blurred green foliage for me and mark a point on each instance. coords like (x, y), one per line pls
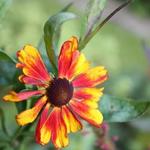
(141, 7)
(117, 49)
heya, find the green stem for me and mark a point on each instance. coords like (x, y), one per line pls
(91, 35)
(15, 138)
(3, 123)
(49, 47)
(17, 133)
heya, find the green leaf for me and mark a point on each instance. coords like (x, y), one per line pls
(41, 45)
(83, 42)
(52, 34)
(4, 56)
(9, 112)
(8, 72)
(7, 69)
(92, 16)
(121, 109)
(41, 48)
(2, 117)
(9, 77)
(4, 5)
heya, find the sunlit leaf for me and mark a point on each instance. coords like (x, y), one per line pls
(121, 109)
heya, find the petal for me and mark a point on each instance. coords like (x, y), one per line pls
(31, 63)
(54, 129)
(30, 115)
(91, 115)
(91, 78)
(17, 97)
(41, 122)
(92, 94)
(78, 65)
(71, 121)
(30, 81)
(65, 56)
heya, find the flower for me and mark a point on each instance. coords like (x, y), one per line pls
(64, 99)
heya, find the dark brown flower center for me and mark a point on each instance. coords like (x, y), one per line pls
(60, 92)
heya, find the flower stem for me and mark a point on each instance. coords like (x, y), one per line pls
(91, 34)
(17, 133)
(49, 46)
(3, 123)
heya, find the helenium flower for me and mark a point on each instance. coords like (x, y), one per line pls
(63, 99)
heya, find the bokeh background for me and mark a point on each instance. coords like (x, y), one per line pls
(122, 46)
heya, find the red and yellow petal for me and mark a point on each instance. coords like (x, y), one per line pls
(91, 78)
(31, 81)
(65, 56)
(42, 120)
(78, 65)
(71, 121)
(55, 130)
(28, 116)
(17, 97)
(32, 65)
(90, 114)
(92, 94)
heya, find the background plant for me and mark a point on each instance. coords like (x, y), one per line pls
(120, 51)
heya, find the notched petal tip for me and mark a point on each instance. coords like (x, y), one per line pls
(65, 56)
(86, 112)
(41, 138)
(32, 65)
(93, 77)
(54, 129)
(45, 136)
(12, 97)
(23, 95)
(71, 121)
(71, 45)
(29, 115)
(78, 65)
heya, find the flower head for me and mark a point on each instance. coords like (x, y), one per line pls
(63, 100)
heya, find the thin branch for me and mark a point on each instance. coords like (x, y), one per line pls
(91, 35)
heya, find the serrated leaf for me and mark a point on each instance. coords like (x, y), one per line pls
(52, 34)
(121, 109)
